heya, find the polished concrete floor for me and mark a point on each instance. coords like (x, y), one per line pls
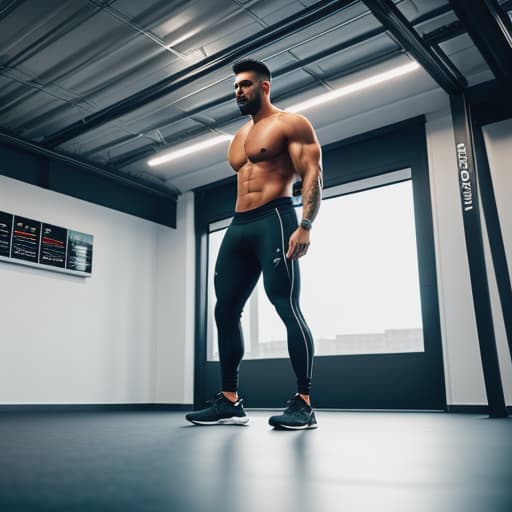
(154, 461)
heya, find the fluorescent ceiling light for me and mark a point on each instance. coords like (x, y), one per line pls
(338, 93)
(357, 86)
(188, 150)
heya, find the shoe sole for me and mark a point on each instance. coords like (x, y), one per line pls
(289, 427)
(224, 421)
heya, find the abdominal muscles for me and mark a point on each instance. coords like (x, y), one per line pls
(259, 183)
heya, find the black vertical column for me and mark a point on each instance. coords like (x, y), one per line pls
(475, 251)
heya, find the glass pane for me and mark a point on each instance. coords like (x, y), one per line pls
(360, 284)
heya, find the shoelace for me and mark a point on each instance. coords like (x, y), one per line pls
(218, 397)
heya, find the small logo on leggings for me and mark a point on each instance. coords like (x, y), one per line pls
(276, 262)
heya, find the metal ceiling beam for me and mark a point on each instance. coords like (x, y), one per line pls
(295, 23)
(489, 33)
(119, 177)
(402, 30)
(432, 15)
(444, 33)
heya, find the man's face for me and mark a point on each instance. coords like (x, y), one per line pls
(248, 93)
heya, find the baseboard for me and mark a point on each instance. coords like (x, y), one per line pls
(472, 409)
(456, 409)
(93, 407)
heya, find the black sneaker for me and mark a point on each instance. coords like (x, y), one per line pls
(221, 412)
(297, 416)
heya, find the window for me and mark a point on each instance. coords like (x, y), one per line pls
(360, 282)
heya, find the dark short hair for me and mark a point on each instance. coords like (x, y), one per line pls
(252, 65)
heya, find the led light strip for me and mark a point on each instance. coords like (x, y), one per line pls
(357, 86)
(180, 153)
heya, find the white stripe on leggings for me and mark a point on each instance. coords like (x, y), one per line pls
(292, 279)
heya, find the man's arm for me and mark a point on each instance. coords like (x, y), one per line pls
(305, 153)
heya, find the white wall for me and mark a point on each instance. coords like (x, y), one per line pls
(462, 363)
(175, 308)
(65, 339)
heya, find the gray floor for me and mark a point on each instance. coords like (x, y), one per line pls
(154, 461)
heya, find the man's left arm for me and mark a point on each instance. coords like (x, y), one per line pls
(306, 154)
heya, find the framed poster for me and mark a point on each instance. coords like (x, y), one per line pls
(5, 234)
(25, 239)
(53, 246)
(79, 252)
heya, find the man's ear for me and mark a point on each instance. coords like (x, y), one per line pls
(265, 86)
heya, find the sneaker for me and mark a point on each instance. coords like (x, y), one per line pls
(221, 412)
(297, 416)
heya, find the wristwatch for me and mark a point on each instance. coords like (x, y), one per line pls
(306, 224)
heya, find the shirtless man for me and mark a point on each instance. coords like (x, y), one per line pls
(265, 236)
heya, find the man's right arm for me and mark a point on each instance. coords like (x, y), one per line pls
(305, 153)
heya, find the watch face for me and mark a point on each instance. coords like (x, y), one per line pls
(306, 224)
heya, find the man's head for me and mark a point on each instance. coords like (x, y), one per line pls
(252, 85)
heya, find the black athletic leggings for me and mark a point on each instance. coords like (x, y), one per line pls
(255, 242)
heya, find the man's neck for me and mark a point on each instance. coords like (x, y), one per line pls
(265, 111)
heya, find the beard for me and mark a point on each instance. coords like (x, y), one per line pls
(250, 107)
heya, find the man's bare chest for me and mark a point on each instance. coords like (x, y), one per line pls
(264, 141)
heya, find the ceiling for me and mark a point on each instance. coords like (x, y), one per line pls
(111, 83)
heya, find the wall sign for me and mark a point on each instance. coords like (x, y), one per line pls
(37, 244)
(80, 252)
(5, 234)
(25, 239)
(53, 246)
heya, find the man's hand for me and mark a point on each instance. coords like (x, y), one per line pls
(298, 244)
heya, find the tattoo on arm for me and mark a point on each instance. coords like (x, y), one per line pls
(311, 196)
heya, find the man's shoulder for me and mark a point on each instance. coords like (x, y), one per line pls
(294, 118)
(296, 124)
